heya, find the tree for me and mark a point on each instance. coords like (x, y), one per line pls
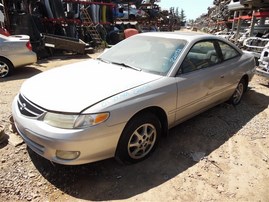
(182, 15)
(172, 10)
(177, 12)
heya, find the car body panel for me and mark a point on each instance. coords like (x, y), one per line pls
(200, 90)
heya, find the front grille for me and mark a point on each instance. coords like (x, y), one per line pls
(27, 108)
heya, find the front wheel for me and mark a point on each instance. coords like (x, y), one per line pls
(138, 139)
(239, 91)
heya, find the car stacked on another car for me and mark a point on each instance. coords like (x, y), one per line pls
(15, 51)
(120, 104)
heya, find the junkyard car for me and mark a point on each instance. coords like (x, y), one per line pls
(15, 51)
(129, 12)
(263, 67)
(120, 104)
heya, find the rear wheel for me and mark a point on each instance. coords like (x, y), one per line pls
(239, 91)
(138, 139)
(6, 67)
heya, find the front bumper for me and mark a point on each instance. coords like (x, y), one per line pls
(95, 143)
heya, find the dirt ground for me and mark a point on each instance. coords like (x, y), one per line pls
(220, 155)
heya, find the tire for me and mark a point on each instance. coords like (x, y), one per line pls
(138, 139)
(6, 68)
(239, 91)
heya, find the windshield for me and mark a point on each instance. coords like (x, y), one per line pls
(145, 53)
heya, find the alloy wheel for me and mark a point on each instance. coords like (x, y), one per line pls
(238, 93)
(4, 69)
(142, 141)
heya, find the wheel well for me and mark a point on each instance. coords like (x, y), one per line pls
(246, 79)
(1, 57)
(160, 113)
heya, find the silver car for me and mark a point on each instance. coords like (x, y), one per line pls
(120, 104)
(15, 51)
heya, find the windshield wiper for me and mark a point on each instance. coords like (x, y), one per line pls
(119, 63)
(125, 65)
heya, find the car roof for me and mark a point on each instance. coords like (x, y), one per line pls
(189, 36)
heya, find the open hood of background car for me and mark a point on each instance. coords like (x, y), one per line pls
(74, 87)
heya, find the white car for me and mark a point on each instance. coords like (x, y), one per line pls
(120, 104)
(235, 5)
(263, 66)
(224, 34)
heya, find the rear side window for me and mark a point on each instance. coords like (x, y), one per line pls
(228, 52)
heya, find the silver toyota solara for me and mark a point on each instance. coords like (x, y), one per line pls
(120, 104)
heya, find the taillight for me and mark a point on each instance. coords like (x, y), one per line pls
(29, 45)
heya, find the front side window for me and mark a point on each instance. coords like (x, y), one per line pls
(202, 55)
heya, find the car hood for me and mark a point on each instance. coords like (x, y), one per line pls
(72, 88)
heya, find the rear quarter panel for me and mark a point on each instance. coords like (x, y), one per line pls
(17, 53)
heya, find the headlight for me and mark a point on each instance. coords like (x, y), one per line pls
(70, 121)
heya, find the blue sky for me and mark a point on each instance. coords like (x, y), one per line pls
(192, 8)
